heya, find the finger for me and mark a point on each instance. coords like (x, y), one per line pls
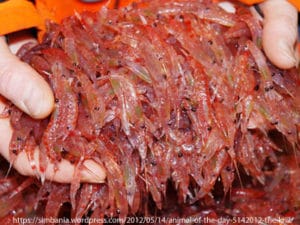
(23, 86)
(92, 172)
(63, 173)
(280, 32)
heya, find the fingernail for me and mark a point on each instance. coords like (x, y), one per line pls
(42, 106)
(38, 98)
(37, 108)
(288, 53)
(92, 172)
(31, 93)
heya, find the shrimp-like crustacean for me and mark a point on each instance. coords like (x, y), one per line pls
(178, 103)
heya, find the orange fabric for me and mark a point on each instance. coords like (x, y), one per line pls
(56, 10)
(251, 2)
(59, 9)
(123, 3)
(296, 3)
(22, 14)
(17, 15)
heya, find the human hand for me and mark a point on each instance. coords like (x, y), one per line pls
(280, 33)
(27, 90)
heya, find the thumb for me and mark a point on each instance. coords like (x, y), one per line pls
(280, 32)
(23, 85)
(63, 172)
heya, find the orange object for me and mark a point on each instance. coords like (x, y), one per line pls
(56, 10)
(251, 2)
(22, 14)
(17, 15)
(296, 3)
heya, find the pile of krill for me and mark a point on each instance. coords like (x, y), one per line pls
(177, 102)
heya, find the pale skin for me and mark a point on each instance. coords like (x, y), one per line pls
(30, 92)
(26, 89)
